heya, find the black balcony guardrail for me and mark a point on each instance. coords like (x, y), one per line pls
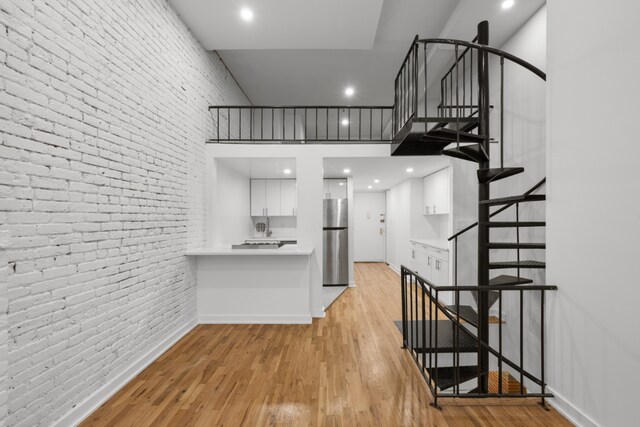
(301, 124)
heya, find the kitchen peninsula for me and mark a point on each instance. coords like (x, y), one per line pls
(253, 285)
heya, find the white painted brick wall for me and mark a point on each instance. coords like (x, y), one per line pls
(103, 118)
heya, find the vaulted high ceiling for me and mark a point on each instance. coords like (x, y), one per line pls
(306, 52)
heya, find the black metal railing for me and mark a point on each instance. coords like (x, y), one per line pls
(459, 87)
(301, 124)
(428, 338)
(470, 227)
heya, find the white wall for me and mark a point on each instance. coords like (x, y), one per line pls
(399, 218)
(309, 174)
(232, 206)
(593, 212)
(4, 333)
(103, 118)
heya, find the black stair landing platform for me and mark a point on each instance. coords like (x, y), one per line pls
(466, 342)
(412, 140)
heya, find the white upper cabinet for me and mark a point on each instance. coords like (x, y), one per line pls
(435, 193)
(258, 197)
(335, 188)
(288, 197)
(273, 197)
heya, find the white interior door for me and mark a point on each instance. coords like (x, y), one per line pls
(369, 227)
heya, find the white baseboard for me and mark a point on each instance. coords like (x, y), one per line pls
(85, 408)
(569, 411)
(394, 268)
(214, 319)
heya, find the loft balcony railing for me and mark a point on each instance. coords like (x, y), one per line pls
(302, 124)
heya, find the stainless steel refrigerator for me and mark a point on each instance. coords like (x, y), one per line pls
(336, 243)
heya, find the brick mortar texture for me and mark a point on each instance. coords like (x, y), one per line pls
(103, 118)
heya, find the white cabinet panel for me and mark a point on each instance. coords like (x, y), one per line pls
(258, 197)
(273, 197)
(288, 197)
(435, 193)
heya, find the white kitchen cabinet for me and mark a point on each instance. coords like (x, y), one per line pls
(435, 193)
(267, 197)
(258, 197)
(288, 197)
(335, 188)
(430, 263)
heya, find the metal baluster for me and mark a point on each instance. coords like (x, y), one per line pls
(417, 331)
(403, 293)
(228, 123)
(500, 342)
(425, 88)
(284, 132)
(240, 123)
(261, 123)
(411, 278)
(273, 123)
(360, 124)
(456, 352)
(371, 124)
(435, 394)
(415, 79)
(518, 236)
(251, 123)
(521, 341)
(451, 95)
(471, 83)
(295, 113)
(349, 124)
(327, 124)
(464, 84)
(424, 331)
(457, 101)
(218, 123)
(542, 313)
(381, 125)
(502, 112)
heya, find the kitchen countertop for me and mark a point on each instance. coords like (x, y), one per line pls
(226, 251)
(434, 243)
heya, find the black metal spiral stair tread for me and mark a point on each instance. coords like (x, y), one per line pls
(453, 135)
(505, 279)
(447, 375)
(495, 174)
(446, 342)
(517, 264)
(509, 224)
(466, 313)
(474, 153)
(513, 245)
(514, 199)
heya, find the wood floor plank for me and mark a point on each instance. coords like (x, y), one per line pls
(347, 369)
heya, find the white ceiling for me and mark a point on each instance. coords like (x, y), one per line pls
(389, 170)
(309, 76)
(264, 168)
(282, 24)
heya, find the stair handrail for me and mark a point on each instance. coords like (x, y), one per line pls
(502, 209)
(488, 49)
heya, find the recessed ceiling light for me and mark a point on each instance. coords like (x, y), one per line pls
(349, 91)
(376, 181)
(341, 183)
(246, 14)
(287, 171)
(508, 4)
(409, 170)
(347, 171)
(345, 122)
(369, 187)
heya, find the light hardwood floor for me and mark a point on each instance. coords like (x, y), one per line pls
(344, 370)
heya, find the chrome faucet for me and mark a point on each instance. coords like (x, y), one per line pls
(268, 228)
